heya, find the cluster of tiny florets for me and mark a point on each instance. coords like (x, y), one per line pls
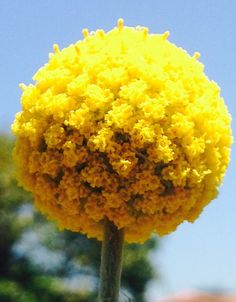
(123, 125)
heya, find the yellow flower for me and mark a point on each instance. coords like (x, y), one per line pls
(123, 125)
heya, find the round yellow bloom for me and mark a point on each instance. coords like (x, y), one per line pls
(123, 125)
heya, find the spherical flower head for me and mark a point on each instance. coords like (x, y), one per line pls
(122, 125)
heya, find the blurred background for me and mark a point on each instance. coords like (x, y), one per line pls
(38, 263)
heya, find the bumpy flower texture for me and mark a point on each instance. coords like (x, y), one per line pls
(123, 125)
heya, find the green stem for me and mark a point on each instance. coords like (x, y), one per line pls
(111, 263)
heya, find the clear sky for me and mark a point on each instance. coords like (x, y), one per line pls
(202, 255)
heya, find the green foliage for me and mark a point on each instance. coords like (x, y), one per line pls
(27, 275)
(10, 291)
(137, 270)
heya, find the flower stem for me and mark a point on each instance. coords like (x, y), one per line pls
(111, 263)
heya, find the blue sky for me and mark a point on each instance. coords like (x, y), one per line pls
(201, 255)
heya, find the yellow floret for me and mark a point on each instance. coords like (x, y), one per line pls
(123, 125)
